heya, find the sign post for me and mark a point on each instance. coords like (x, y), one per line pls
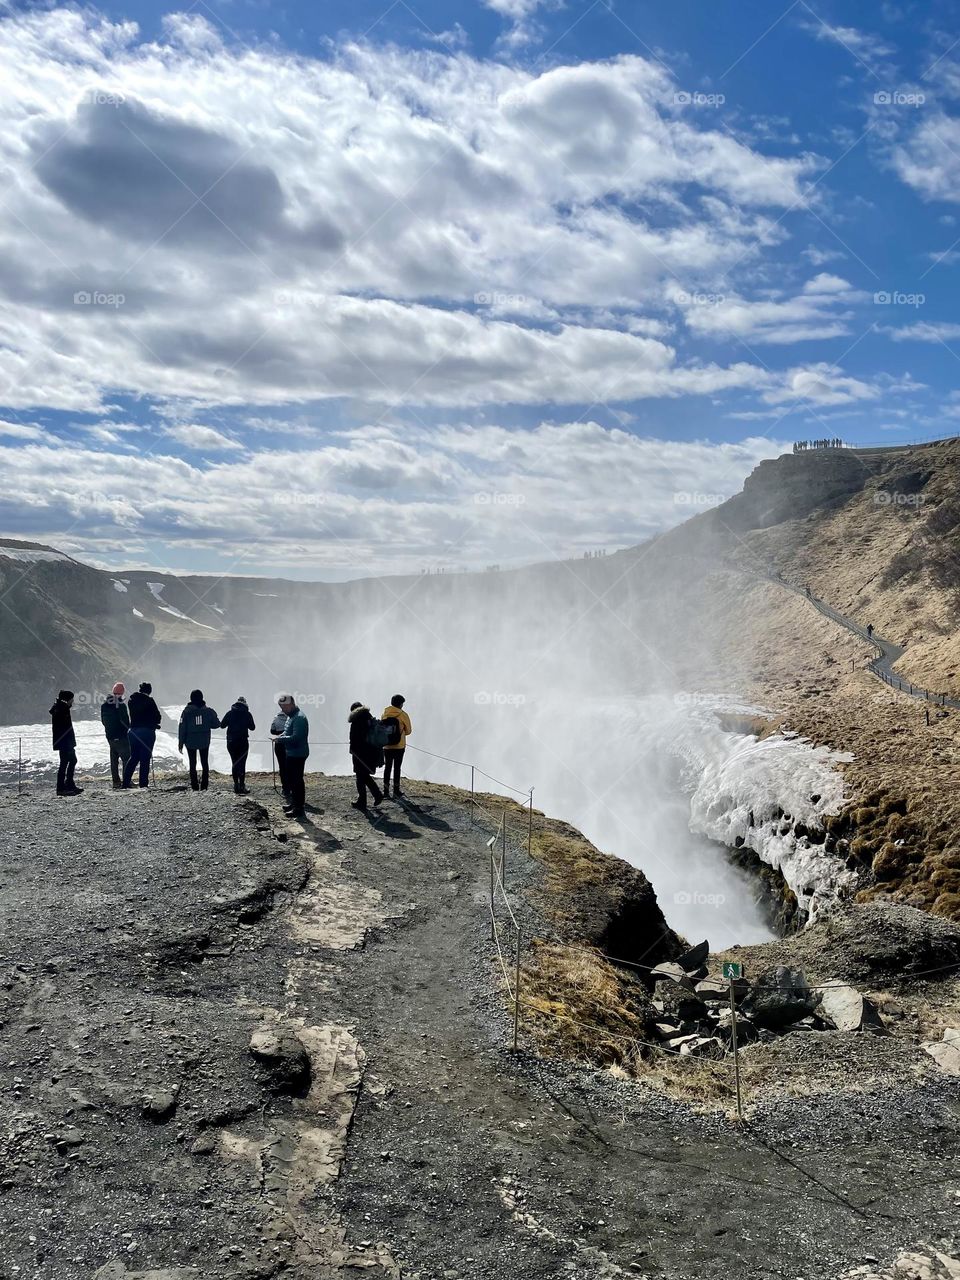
(733, 970)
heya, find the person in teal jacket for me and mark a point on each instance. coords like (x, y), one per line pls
(296, 746)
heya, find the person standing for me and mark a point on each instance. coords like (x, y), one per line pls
(115, 719)
(366, 755)
(277, 726)
(65, 742)
(196, 722)
(296, 747)
(145, 720)
(393, 755)
(238, 723)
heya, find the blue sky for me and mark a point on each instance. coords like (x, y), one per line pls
(335, 289)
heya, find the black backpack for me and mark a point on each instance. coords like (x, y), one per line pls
(384, 733)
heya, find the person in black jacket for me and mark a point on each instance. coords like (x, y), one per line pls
(196, 722)
(145, 720)
(115, 719)
(367, 757)
(238, 723)
(65, 741)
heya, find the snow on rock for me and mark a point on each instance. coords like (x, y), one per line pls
(137, 613)
(156, 590)
(27, 555)
(118, 585)
(762, 794)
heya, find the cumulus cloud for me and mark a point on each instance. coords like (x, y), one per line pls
(194, 436)
(183, 221)
(820, 310)
(375, 498)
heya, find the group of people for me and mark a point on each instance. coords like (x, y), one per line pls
(830, 442)
(131, 731)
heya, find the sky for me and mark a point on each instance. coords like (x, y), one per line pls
(326, 290)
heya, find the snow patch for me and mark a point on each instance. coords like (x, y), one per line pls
(137, 613)
(156, 590)
(118, 585)
(27, 556)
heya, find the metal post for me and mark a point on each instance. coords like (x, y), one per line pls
(273, 765)
(19, 766)
(530, 827)
(493, 926)
(516, 997)
(927, 711)
(503, 848)
(473, 803)
(733, 1044)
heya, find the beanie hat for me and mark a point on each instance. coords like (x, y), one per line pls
(243, 700)
(119, 689)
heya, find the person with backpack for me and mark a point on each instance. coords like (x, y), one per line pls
(196, 722)
(145, 720)
(277, 726)
(238, 723)
(65, 742)
(115, 719)
(296, 747)
(399, 725)
(366, 751)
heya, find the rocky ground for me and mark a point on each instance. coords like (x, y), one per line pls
(235, 1047)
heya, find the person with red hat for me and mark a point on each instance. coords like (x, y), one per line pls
(115, 719)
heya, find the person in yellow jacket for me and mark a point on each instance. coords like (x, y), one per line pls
(393, 756)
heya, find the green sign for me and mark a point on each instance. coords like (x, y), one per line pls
(732, 969)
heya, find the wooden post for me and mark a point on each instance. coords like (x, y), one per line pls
(733, 1045)
(19, 766)
(516, 997)
(927, 711)
(530, 827)
(493, 927)
(473, 803)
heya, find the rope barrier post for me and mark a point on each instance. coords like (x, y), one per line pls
(732, 970)
(473, 803)
(493, 925)
(503, 847)
(516, 997)
(530, 827)
(19, 766)
(273, 765)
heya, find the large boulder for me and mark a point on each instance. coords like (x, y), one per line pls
(282, 1058)
(946, 1052)
(778, 997)
(846, 1009)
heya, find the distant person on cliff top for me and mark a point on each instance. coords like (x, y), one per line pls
(238, 723)
(65, 741)
(196, 722)
(277, 726)
(393, 751)
(295, 742)
(145, 720)
(115, 719)
(869, 630)
(365, 753)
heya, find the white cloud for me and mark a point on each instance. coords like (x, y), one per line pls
(194, 436)
(924, 331)
(865, 46)
(821, 384)
(22, 430)
(425, 181)
(820, 310)
(380, 498)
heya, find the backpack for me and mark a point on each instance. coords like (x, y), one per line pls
(394, 731)
(379, 732)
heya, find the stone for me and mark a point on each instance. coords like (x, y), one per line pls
(161, 1105)
(678, 1004)
(692, 960)
(665, 1030)
(846, 1009)
(282, 1055)
(71, 1137)
(672, 972)
(205, 1144)
(778, 997)
(712, 989)
(946, 1052)
(703, 1047)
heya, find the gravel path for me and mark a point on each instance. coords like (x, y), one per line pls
(146, 937)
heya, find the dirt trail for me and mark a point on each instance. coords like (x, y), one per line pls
(422, 1148)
